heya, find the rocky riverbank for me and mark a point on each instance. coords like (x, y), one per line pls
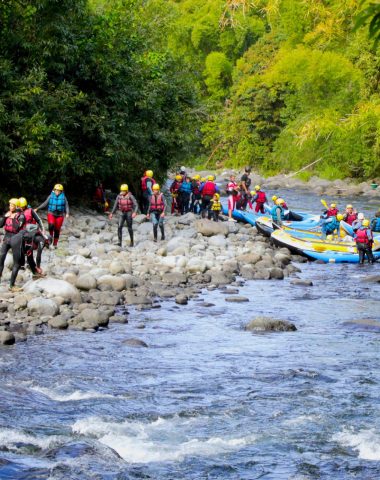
(91, 281)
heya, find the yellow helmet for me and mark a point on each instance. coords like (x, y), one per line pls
(197, 177)
(210, 178)
(124, 188)
(149, 173)
(349, 206)
(274, 198)
(58, 186)
(339, 217)
(203, 179)
(333, 205)
(365, 223)
(217, 196)
(280, 201)
(253, 192)
(156, 187)
(22, 202)
(178, 178)
(257, 188)
(14, 201)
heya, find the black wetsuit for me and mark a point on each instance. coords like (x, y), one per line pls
(23, 244)
(6, 244)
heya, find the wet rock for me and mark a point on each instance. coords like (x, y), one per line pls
(209, 228)
(86, 282)
(3, 307)
(106, 298)
(53, 286)
(267, 324)
(42, 306)
(221, 278)
(302, 283)
(21, 301)
(174, 278)
(236, 299)
(90, 325)
(247, 272)
(7, 338)
(206, 304)
(135, 342)
(117, 283)
(230, 291)
(364, 324)
(262, 274)
(196, 265)
(181, 299)
(58, 322)
(132, 299)
(118, 319)
(276, 273)
(372, 279)
(187, 219)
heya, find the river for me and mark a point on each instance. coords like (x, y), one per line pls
(207, 399)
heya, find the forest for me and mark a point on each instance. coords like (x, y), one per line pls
(102, 90)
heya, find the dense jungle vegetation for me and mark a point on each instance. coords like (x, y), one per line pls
(96, 89)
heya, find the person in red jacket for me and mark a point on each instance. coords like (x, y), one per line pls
(350, 216)
(260, 198)
(156, 212)
(127, 204)
(174, 190)
(364, 242)
(332, 211)
(208, 190)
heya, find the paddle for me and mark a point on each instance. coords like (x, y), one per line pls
(324, 203)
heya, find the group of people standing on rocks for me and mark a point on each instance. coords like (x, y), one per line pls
(25, 234)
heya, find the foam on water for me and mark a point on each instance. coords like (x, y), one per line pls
(158, 441)
(366, 442)
(76, 395)
(10, 438)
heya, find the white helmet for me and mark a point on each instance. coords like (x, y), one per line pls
(360, 216)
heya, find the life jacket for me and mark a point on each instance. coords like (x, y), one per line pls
(144, 181)
(350, 218)
(186, 187)
(125, 203)
(12, 225)
(284, 206)
(209, 189)
(29, 219)
(157, 203)
(231, 188)
(99, 195)
(261, 197)
(57, 203)
(274, 212)
(175, 186)
(362, 236)
(332, 225)
(332, 212)
(375, 224)
(216, 206)
(195, 187)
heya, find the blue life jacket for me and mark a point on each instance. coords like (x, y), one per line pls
(331, 226)
(273, 212)
(375, 224)
(57, 204)
(186, 187)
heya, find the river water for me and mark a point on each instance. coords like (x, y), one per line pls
(207, 399)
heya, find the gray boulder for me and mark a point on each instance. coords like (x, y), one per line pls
(58, 322)
(174, 278)
(42, 306)
(276, 273)
(181, 299)
(86, 282)
(7, 338)
(54, 287)
(236, 299)
(135, 342)
(208, 228)
(267, 324)
(302, 283)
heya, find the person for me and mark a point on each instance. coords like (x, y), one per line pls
(277, 212)
(182, 172)
(245, 183)
(208, 189)
(356, 224)
(364, 242)
(184, 195)
(127, 204)
(196, 197)
(23, 244)
(99, 200)
(332, 211)
(350, 215)
(330, 225)
(174, 190)
(375, 222)
(30, 215)
(260, 198)
(58, 209)
(215, 208)
(232, 191)
(156, 211)
(147, 182)
(13, 221)
(284, 205)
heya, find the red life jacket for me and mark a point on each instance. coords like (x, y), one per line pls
(261, 197)
(332, 212)
(195, 187)
(209, 189)
(362, 237)
(125, 203)
(12, 225)
(175, 186)
(144, 180)
(284, 206)
(157, 203)
(29, 217)
(351, 217)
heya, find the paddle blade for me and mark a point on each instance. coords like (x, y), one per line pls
(324, 203)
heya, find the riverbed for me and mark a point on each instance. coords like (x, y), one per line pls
(207, 399)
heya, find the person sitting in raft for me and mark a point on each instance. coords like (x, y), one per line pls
(350, 215)
(364, 242)
(277, 212)
(375, 222)
(332, 211)
(356, 224)
(284, 205)
(58, 209)
(260, 198)
(215, 208)
(330, 225)
(23, 245)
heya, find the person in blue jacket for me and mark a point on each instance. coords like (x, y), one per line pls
(184, 195)
(375, 223)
